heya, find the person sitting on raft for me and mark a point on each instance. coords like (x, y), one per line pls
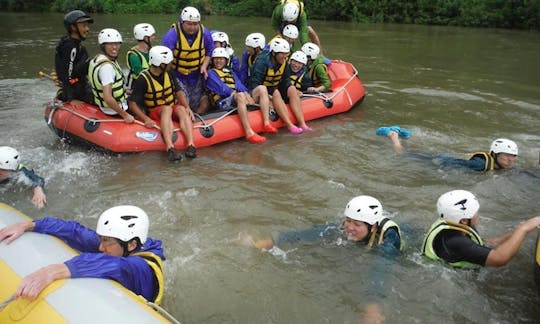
(159, 94)
(317, 69)
(228, 92)
(269, 78)
(107, 78)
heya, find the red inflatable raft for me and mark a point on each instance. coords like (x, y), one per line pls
(89, 126)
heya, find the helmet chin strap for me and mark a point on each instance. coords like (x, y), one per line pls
(146, 40)
(371, 236)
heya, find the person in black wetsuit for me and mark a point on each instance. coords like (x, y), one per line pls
(454, 240)
(71, 59)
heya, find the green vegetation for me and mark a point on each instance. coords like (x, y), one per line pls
(523, 14)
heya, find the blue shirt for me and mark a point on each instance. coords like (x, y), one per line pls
(217, 86)
(131, 272)
(25, 175)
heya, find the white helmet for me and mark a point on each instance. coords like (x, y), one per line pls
(503, 145)
(290, 12)
(311, 50)
(9, 158)
(220, 52)
(109, 35)
(456, 205)
(290, 31)
(190, 14)
(365, 209)
(160, 55)
(220, 37)
(124, 223)
(255, 40)
(140, 31)
(279, 45)
(299, 56)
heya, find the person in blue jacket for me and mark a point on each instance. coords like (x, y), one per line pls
(12, 170)
(364, 225)
(255, 43)
(501, 155)
(119, 249)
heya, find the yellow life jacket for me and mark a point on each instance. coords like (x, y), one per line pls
(118, 89)
(144, 63)
(490, 161)
(156, 264)
(296, 80)
(188, 58)
(384, 225)
(227, 78)
(272, 77)
(158, 94)
(441, 225)
(313, 74)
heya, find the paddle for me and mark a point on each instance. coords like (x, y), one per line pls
(51, 76)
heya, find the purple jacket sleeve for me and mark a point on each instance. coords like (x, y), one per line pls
(72, 233)
(169, 39)
(214, 84)
(131, 272)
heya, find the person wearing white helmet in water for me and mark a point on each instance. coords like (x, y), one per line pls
(453, 237)
(107, 78)
(293, 12)
(137, 56)
(228, 92)
(255, 44)
(71, 59)
(364, 224)
(13, 171)
(192, 47)
(269, 78)
(221, 39)
(501, 155)
(158, 97)
(119, 249)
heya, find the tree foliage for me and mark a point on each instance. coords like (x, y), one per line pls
(479, 13)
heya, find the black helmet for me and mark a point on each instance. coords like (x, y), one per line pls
(76, 16)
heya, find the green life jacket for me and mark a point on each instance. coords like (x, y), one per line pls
(442, 225)
(118, 90)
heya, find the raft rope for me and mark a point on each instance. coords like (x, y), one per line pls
(334, 93)
(163, 312)
(205, 125)
(6, 302)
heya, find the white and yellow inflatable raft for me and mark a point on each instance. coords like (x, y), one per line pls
(74, 301)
